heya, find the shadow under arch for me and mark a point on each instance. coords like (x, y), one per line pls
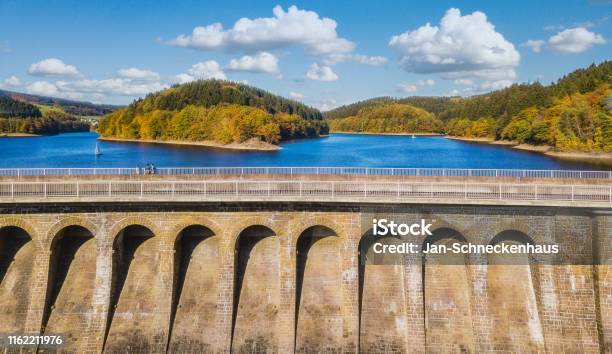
(195, 264)
(256, 262)
(71, 277)
(443, 233)
(129, 242)
(55, 231)
(17, 253)
(374, 321)
(318, 279)
(446, 293)
(12, 240)
(512, 281)
(512, 235)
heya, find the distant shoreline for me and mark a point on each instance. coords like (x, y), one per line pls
(596, 157)
(391, 134)
(249, 145)
(591, 157)
(547, 150)
(17, 135)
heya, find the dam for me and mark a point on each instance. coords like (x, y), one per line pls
(279, 260)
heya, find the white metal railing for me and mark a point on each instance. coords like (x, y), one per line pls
(426, 172)
(383, 191)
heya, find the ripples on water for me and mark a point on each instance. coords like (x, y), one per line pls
(77, 150)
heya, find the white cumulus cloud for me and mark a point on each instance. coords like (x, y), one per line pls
(321, 73)
(295, 26)
(91, 88)
(263, 62)
(296, 95)
(42, 88)
(138, 74)
(209, 69)
(483, 80)
(575, 40)
(464, 82)
(485, 74)
(326, 104)
(112, 87)
(407, 88)
(53, 67)
(370, 60)
(130, 83)
(460, 44)
(182, 78)
(476, 88)
(11, 81)
(535, 45)
(495, 85)
(333, 59)
(428, 82)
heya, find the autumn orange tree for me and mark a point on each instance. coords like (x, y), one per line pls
(214, 110)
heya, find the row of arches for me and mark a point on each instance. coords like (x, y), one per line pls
(143, 317)
(504, 302)
(136, 312)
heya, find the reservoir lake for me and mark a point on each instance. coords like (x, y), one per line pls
(77, 150)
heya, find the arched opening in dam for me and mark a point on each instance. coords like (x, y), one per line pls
(17, 253)
(256, 291)
(71, 281)
(446, 295)
(135, 319)
(318, 291)
(382, 304)
(512, 295)
(194, 299)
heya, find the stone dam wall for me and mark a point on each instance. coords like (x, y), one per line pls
(287, 277)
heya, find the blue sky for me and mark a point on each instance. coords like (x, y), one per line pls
(324, 53)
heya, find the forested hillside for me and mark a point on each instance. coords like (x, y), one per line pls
(389, 118)
(10, 108)
(572, 114)
(581, 122)
(354, 108)
(217, 110)
(24, 118)
(77, 108)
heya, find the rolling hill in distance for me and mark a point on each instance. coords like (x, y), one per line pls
(24, 114)
(77, 108)
(572, 114)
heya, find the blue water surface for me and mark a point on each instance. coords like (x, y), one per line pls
(77, 150)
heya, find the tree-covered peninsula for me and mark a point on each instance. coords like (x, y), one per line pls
(213, 110)
(572, 114)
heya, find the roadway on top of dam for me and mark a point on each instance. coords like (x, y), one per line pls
(308, 185)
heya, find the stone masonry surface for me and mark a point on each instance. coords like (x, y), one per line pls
(282, 277)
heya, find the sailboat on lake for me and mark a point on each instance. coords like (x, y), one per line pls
(97, 151)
